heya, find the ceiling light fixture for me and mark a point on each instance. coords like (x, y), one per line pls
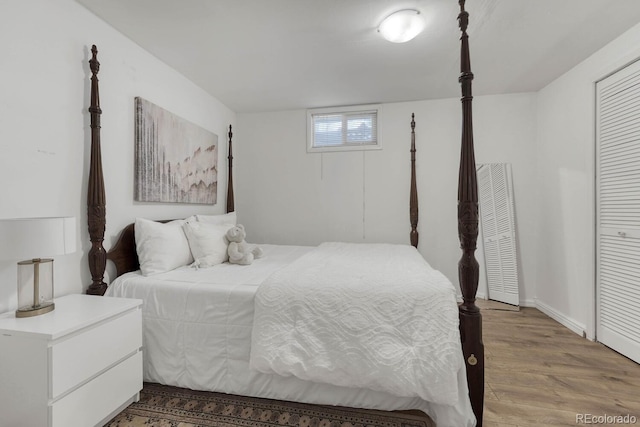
(402, 26)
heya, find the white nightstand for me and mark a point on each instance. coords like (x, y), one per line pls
(77, 366)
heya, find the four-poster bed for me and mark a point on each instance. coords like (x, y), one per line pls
(125, 258)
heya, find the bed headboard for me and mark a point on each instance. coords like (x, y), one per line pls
(123, 254)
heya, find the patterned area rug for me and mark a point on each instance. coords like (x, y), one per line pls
(164, 406)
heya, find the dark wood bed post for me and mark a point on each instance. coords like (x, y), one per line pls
(468, 269)
(230, 204)
(96, 201)
(413, 194)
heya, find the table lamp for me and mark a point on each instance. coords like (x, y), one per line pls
(22, 238)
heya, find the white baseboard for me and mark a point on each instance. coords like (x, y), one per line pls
(571, 324)
(522, 303)
(528, 303)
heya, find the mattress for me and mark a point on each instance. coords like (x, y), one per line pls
(197, 327)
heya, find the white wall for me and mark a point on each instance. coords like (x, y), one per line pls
(566, 177)
(44, 125)
(284, 195)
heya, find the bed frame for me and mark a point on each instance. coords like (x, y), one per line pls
(124, 256)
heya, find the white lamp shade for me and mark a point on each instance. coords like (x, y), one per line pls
(402, 26)
(37, 237)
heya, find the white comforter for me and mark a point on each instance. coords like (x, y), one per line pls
(373, 316)
(197, 327)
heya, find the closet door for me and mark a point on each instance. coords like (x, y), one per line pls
(618, 211)
(498, 231)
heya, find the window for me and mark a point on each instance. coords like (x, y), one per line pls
(343, 128)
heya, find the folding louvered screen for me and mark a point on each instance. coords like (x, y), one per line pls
(618, 211)
(498, 231)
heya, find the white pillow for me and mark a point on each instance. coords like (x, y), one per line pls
(161, 247)
(208, 242)
(229, 218)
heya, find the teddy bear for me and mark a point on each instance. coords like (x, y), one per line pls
(240, 252)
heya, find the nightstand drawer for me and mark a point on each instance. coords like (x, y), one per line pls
(80, 357)
(91, 403)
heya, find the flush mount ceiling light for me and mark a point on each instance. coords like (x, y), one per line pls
(402, 26)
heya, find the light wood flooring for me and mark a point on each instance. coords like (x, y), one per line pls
(539, 373)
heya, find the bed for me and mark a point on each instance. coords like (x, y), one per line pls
(199, 323)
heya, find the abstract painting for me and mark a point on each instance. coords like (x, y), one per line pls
(176, 161)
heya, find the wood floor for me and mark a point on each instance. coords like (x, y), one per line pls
(538, 373)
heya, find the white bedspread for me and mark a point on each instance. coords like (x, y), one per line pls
(197, 328)
(373, 316)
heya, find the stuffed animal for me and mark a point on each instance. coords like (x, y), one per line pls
(240, 252)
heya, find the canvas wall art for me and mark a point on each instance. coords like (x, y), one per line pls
(176, 160)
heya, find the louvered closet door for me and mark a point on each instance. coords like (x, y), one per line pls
(618, 211)
(498, 231)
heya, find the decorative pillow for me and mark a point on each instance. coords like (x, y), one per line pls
(208, 242)
(229, 218)
(161, 247)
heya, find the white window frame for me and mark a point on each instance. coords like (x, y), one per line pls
(342, 110)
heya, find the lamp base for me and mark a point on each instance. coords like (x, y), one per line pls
(43, 308)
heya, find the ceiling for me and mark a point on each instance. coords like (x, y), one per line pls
(269, 55)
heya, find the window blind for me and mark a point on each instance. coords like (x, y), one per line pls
(344, 129)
